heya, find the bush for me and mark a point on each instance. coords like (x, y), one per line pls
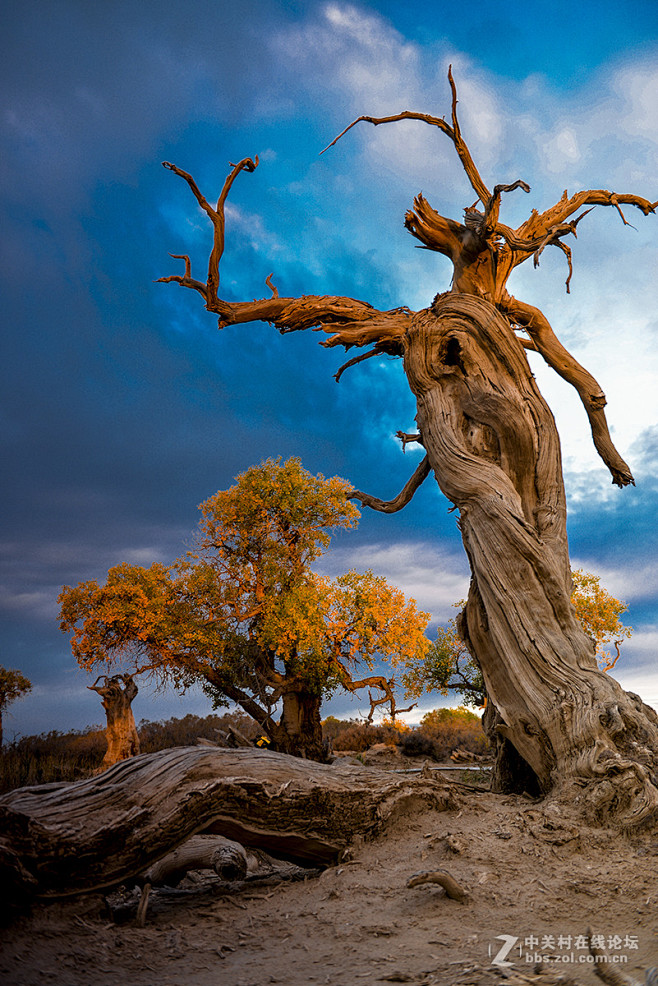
(439, 733)
(360, 736)
(417, 744)
(155, 736)
(51, 758)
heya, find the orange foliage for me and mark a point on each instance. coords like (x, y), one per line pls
(600, 614)
(243, 613)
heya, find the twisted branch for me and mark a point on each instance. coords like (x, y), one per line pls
(453, 132)
(560, 359)
(403, 497)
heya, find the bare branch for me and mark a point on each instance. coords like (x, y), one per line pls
(402, 499)
(566, 250)
(589, 391)
(609, 665)
(453, 132)
(385, 685)
(187, 281)
(492, 207)
(408, 439)
(357, 359)
(217, 218)
(540, 223)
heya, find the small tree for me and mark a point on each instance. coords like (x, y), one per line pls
(599, 613)
(13, 685)
(449, 666)
(244, 614)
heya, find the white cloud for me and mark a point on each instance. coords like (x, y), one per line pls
(433, 577)
(632, 583)
(642, 681)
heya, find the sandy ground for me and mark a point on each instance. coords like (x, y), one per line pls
(530, 875)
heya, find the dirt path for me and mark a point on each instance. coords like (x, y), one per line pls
(529, 874)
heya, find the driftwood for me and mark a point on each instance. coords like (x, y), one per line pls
(60, 839)
(202, 852)
(131, 903)
(465, 756)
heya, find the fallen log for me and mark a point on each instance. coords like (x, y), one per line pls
(98, 832)
(202, 852)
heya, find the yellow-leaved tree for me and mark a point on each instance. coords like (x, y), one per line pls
(244, 614)
(600, 614)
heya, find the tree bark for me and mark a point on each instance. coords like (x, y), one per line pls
(202, 852)
(121, 732)
(60, 839)
(492, 443)
(300, 727)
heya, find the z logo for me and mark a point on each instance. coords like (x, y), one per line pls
(500, 959)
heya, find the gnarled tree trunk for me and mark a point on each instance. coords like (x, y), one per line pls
(121, 732)
(492, 443)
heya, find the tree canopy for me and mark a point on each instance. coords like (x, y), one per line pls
(600, 614)
(244, 614)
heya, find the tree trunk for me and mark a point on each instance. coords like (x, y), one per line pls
(60, 839)
(300, 727)
(121, 732)
(511, 774)
(493, 445)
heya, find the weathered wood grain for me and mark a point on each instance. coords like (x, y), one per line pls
(97, 832)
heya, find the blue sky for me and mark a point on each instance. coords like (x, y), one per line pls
(123, 407)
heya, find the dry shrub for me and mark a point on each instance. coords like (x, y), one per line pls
(450, 729)
(360, 736)
(439, 733)
(155, 736)
(51, 758)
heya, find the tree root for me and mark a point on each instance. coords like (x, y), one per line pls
(453, 889)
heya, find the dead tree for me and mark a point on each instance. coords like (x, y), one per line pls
(62, 839)
(491, 442)
(121, 732)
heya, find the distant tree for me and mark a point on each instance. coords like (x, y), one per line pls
(599, 614)
(13, 685)
(449, 666)
(438, 718)
(243, 613)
